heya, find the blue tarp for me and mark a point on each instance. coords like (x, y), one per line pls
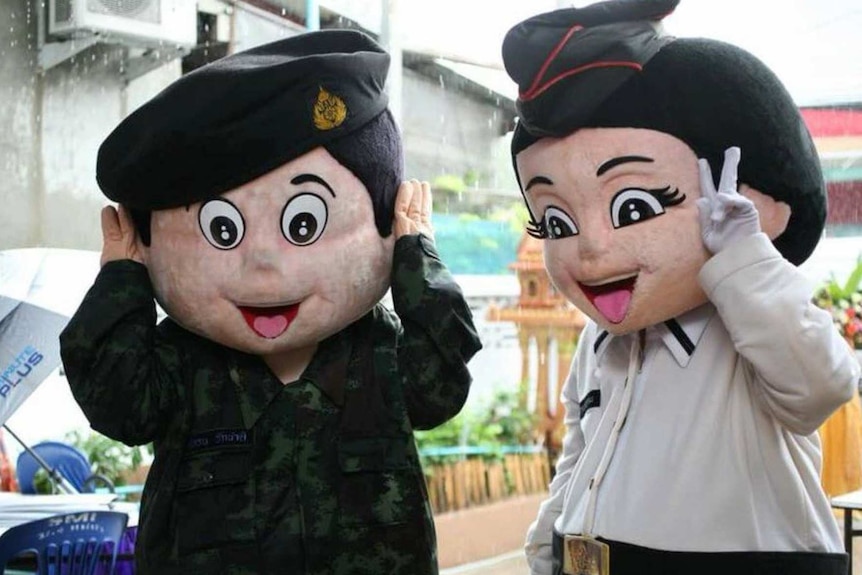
(470, 245)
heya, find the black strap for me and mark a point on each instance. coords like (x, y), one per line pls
(598, 343)
(627, 559)
(591, 399)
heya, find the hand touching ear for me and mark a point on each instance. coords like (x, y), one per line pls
(119, 239)
(413, 210)
(725, 215)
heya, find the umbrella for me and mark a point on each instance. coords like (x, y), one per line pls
(40, 289)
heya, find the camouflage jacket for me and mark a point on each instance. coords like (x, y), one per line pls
(318, 477)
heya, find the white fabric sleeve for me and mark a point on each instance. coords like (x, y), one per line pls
(540, 533)
(800, 366)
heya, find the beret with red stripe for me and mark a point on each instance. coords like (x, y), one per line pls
(568, 61)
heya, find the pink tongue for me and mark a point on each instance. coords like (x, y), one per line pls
(270, 327)
(613, 305)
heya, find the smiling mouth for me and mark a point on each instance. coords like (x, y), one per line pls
(611, 299)
(269, 322)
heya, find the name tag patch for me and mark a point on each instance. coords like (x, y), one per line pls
(592, 399)
(219, 438)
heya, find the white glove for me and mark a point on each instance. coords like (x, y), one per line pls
(725, 214)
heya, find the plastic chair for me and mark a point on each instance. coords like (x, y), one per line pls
(66, 459)
(68, 544)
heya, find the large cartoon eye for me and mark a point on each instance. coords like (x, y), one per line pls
(303, 219)
(558, 224)
(633, 206)
(221, 223)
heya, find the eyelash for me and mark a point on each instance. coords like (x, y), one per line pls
(666, 197)
(538, 229)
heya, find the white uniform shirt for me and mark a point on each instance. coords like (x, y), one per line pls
(719, 450)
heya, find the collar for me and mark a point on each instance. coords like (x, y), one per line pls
(680, 334)
(257, 386)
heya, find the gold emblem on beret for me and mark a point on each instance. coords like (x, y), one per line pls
(329, 111)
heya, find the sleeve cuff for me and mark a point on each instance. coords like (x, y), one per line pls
(737, 256)
(406, 245)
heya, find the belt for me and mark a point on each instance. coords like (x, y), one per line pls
(628, 559)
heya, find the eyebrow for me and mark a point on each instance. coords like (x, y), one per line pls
(538, 180)
(305, 178)
(614, 162)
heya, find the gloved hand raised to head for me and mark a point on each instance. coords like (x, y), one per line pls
(725, 215)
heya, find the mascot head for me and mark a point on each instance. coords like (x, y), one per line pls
(613, 116)
(262, 187)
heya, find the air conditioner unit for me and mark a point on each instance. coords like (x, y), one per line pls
(147, 23)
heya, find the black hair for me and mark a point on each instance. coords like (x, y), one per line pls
(375, 155)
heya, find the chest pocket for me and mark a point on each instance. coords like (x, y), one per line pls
(378, 484)
(214, 500)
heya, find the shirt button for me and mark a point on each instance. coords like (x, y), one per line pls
(207, 477)
(597, 373)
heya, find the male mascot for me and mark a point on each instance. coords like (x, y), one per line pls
(258, 206)
(676, 189)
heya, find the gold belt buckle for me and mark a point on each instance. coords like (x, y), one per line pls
(585, 556)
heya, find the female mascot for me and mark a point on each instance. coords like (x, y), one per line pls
(695, 394)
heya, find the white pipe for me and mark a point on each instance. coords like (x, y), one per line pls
(312, 15)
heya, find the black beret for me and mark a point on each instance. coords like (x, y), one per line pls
(709, 94)
(240, 117)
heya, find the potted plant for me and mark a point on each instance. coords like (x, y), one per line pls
(844, 302)
(841, 434)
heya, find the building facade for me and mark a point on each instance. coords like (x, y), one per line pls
(62, 97)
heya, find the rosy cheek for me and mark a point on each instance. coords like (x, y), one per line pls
(558, 262)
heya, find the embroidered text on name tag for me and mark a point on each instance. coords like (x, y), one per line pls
(219, 438)
(592, 399)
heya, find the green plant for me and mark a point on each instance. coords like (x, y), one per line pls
(502, 422)
(42, 483)
(511, 423)
(844, 302)
(109, 458)
(471, 178)
(449, 183)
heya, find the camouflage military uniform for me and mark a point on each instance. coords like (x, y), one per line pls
(317, 477)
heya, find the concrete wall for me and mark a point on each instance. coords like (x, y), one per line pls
(51, 125)
(20, 95)
(83, 100)
(253, 27)
(446, 132)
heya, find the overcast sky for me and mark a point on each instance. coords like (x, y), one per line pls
(815, 46)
